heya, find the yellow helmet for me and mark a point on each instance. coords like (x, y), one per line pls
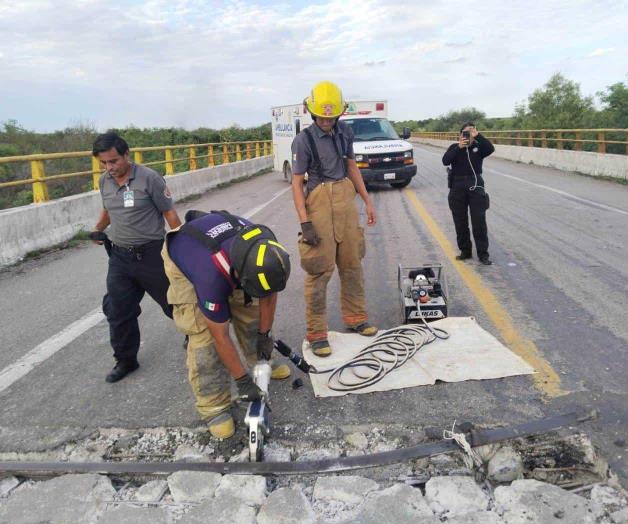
(326, 100)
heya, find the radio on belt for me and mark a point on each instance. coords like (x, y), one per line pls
(423, 292)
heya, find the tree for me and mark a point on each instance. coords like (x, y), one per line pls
(615, 112)
(557, 105)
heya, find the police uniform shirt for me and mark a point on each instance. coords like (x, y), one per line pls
(212, 288)
(457, 157)
(332, 149)
(136, 208)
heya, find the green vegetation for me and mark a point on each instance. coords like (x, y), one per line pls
(559, 104)
(15, 140)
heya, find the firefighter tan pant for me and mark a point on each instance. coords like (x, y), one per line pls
(332, 209)
(210, 380)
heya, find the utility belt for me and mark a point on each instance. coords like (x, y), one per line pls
(137, 250)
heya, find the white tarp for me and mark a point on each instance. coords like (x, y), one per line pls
(470, 353)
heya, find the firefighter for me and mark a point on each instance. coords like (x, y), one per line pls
(466, 191)
(330, 228)
(224, 270)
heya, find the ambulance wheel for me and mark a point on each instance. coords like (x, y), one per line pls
(400, 185)
(287, 172)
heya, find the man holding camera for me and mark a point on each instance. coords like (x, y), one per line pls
(466, 191)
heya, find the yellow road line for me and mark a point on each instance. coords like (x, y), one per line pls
(546, 379)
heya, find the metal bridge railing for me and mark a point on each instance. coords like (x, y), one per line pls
(573, 139)
(173, 156)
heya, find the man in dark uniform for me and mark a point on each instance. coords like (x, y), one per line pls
(135, 203)
(224, 271)
(466, 191)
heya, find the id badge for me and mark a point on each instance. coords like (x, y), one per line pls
(129, 199)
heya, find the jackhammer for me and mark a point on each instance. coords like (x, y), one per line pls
(257, 418)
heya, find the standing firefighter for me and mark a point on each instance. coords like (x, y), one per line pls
(331, 233)
(466, 191)
(135, 202)
(222, 268)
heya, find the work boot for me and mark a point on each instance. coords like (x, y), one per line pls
(464, 255)
(321, 348)
(121, 370)
(365, 329)
(485, 260)
(222, 426)
(280, 372)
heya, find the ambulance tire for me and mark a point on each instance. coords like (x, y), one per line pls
(400, 185)
(287, 172)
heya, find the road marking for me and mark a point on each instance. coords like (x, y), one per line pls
(46, 349)
(14, 372)
(563, 193)
(257, 209)
(546, 379)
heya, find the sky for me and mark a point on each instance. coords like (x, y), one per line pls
(191, 63)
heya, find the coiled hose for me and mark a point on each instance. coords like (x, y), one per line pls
(388, 351)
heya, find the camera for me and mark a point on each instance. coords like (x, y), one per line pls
(466, 134)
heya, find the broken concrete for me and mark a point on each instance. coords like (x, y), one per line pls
(133, 514)
(70, 498)
(452, 496)
(526, 501)
(220, 510)
(348, 490)
(193, 486)
(151, 491)
(7, 485)
(250, 489)
(505, 466)
(357, 440)
(399, 504)
(286, 506)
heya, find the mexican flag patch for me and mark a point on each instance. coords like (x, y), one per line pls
(209, 306)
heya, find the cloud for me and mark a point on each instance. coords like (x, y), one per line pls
(213, 62)
(601, 52)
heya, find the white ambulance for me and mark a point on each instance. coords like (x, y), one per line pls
(380, 153)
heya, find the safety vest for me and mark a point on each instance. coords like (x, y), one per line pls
(218, 255)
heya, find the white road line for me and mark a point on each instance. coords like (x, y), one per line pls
(46, 349)
(257, 209)
(14, 372)
(557, 191)
(563, 193)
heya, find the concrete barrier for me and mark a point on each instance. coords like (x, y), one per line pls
(39, 226)
(595, 164)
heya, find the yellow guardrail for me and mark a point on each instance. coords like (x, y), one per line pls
(217, 153)
(552, 138)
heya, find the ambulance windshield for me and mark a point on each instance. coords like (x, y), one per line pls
(369, 129)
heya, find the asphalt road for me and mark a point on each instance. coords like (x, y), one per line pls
(557, 294)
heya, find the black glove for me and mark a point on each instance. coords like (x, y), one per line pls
(247, 389)
(309, 234)
(97, 236)
(264, 345)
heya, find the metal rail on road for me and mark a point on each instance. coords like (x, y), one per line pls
(174, 155)
(475, 438)
(548, 138)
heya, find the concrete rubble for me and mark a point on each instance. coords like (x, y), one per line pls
(195, 497)
(425, 491)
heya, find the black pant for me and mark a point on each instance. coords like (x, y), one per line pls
(461, 202)
(131, 274)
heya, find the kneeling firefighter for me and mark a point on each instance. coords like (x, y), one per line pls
(330, 224)
(223, 268)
